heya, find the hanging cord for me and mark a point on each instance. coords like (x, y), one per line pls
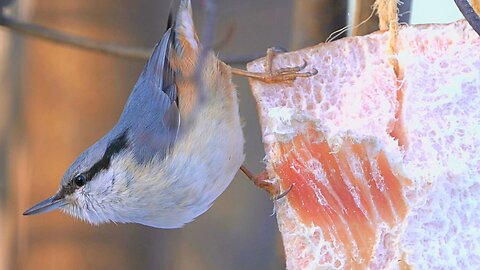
(387, 11)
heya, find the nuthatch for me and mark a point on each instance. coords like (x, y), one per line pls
(167, 159)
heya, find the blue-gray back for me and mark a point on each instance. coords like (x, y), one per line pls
(151, 114)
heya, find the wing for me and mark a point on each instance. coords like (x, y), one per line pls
(151, 114)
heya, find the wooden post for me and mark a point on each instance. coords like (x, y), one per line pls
(70, 98)
(6, 103)
(315, 20)
(363, 12)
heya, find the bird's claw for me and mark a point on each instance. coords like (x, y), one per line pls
(281, 75)
(262, 181)
(289, 74)
(283, 194)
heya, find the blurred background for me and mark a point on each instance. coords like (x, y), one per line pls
(56, 100)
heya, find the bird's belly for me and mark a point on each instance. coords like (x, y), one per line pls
(202, 165)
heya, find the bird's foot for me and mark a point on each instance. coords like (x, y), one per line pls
(281, 75)
(261, 180)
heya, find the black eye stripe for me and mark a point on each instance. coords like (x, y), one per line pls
(113, 148)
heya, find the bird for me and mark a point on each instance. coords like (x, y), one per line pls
(176, 146)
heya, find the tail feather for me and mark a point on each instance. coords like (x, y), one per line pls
(186, 36)
(158, 71)
(171, 16)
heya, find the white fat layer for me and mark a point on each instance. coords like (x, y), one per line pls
(441, 69)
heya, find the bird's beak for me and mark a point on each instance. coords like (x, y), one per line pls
(50, 204)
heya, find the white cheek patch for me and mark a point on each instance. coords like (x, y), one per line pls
(101, 183)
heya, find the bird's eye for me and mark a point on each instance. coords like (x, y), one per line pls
(80, 180)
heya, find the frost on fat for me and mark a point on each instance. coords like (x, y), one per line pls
(362, 199)
(444, 131)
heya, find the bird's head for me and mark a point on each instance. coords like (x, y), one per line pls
(90, 186)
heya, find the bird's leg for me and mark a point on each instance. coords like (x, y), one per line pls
(287, 74)
(261, 181)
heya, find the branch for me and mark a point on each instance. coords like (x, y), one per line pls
(226, 39)
(79, 42)
(241, 58)
(472, 18)
(210, 10)
(109, 48)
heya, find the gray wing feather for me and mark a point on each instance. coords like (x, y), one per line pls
(151, 114)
